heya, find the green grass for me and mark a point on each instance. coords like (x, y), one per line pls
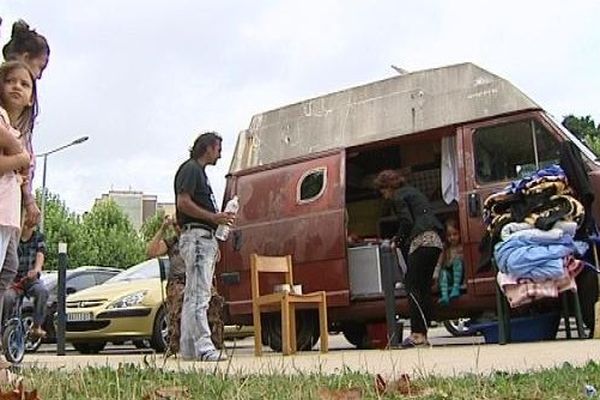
(129, 382)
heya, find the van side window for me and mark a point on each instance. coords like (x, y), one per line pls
(312, 185)
(513, 150)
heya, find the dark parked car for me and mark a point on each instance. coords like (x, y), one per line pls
(77, 279)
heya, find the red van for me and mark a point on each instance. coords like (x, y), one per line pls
(304, 173)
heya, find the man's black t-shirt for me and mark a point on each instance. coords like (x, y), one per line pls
(191, 179)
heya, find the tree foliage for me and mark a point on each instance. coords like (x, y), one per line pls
(151, 225)
(585, 129)
(104, 236)
(108, 238)
(60, 225)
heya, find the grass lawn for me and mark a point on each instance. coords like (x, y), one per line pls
(130, 382)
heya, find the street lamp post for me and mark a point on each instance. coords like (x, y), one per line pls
(45, 155)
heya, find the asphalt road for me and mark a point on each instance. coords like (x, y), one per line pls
(438, 337)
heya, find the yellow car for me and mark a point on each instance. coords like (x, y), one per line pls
(128, 306)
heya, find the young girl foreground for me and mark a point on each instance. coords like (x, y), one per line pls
(18, 103)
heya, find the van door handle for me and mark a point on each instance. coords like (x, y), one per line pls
(474, 205)
(237, 240)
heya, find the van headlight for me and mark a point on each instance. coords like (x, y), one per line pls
(132, 299)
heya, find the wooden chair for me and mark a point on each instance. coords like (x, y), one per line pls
(285, 301)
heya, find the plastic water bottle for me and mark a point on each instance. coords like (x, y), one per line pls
(232, 206)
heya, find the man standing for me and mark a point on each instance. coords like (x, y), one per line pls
(32, 251)
(198, 217)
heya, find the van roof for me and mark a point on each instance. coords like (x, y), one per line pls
(401, 105)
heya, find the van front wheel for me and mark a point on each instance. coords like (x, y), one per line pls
(307, 330)
(356, 334)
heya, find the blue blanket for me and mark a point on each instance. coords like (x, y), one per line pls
(534, 257)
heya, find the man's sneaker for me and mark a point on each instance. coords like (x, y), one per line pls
(213, 355)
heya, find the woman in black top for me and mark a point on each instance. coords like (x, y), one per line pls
(418, 235)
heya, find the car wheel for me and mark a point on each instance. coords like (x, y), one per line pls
(356, 334)
(160, 333)
(89, 348)
(142, 344)
(31, 344)
(307, 330)
(458, 327)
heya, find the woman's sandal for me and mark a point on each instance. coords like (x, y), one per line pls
(409, 342)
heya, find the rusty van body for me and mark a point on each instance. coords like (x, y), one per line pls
(304, 175)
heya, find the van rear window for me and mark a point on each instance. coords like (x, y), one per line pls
(311, 185)
(513, 150)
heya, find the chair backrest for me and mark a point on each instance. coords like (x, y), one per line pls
(278, 264)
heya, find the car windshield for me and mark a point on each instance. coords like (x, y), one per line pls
(146, 270)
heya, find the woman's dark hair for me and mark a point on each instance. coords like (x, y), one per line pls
(389, 179)
(24, 40)
(202, 142)
(26, 120)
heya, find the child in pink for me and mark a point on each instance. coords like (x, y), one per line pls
(18, 105)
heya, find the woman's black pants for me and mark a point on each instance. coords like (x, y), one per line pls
(421, 264)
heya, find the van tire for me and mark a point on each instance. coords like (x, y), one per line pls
(458, 327)
(587, 290)
(307, 330)
(356, 334)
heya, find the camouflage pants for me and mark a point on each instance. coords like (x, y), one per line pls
(215, 319)
(175, 290)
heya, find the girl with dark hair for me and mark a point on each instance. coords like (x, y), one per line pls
(30, 48)
(451, 267)
(418, 235)
(17, 105)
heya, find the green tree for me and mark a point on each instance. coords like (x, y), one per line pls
(151, 225)
(108, 238)
(60, 225)
(584, 128)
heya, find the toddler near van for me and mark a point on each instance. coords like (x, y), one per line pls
(451, 271)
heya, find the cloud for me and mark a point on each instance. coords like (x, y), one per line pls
(142, 78)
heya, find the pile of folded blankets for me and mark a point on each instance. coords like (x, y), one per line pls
(534, 221)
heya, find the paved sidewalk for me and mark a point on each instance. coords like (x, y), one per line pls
(438, 360)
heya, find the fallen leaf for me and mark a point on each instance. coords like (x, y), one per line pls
(403, 385)
(171, 393)
(19, 394)
(340, 394)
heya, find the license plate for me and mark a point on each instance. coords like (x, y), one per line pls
(79, 317)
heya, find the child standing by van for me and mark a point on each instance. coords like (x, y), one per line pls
(451, 271)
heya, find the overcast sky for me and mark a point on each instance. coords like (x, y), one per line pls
(143, 78)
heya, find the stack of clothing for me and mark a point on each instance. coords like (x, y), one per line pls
(533, 223)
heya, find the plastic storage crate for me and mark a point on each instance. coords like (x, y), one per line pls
(523, 329)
